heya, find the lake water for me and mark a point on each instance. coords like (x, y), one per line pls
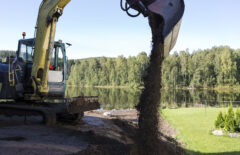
(121, 98)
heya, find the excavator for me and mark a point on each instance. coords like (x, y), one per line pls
(34, 82)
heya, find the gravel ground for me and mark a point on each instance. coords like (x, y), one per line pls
(37, 139)
(34, 138)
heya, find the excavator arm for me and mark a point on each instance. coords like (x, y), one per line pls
(49, 12)
(169, 11)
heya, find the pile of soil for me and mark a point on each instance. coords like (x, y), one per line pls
(101, 145)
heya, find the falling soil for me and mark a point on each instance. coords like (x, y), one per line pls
(150, 97)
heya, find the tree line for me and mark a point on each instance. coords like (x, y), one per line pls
(104, 71)
(5, 53)
(218, 66)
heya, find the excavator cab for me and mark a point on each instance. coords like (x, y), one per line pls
(17, 74)
(57, 74)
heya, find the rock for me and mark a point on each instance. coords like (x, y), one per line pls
(218, 132)
(236, 135)
(107, 113)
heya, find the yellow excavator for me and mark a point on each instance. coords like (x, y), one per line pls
(37, 75)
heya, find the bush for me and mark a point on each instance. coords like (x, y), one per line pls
(237, 120)
(229, 124)
(229, 121)
(219, 123)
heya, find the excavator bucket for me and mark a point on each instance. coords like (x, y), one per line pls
(171, 12)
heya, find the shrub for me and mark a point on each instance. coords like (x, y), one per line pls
(219, 123)
(229, 124)
(229, 121)
(224, 116)
(237, 120)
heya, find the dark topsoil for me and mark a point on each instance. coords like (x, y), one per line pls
(101, 145)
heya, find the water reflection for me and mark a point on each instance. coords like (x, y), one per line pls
(127, 98)
(108, 98)
(194, 97)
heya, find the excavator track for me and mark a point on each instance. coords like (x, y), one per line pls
(70, 110)
(13, 108)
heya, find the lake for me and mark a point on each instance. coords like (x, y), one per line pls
(124, 98)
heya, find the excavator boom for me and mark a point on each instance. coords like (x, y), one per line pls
(49, 12)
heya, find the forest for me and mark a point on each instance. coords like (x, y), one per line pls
(215, 67)
(104, 71)
(5, 53)
(218, 66)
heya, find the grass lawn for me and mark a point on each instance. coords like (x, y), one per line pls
(194, 125)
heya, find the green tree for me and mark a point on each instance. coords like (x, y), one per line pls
(238, 119)
(228, 71)
(121, 70)
(230, 120)
(219, 123)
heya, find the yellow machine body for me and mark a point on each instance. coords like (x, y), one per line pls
(49, 12)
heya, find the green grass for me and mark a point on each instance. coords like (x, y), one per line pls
(194, 126)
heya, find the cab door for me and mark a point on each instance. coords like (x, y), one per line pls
(56, 74)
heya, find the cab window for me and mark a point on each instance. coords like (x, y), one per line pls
(26, 52)
(57, 61)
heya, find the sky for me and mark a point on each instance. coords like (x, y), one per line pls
(100, 28)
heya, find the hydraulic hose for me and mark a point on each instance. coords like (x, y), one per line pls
(126, 8)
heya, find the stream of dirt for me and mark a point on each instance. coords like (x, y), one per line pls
(150, 97)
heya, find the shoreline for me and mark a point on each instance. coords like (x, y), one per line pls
(217, 88)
